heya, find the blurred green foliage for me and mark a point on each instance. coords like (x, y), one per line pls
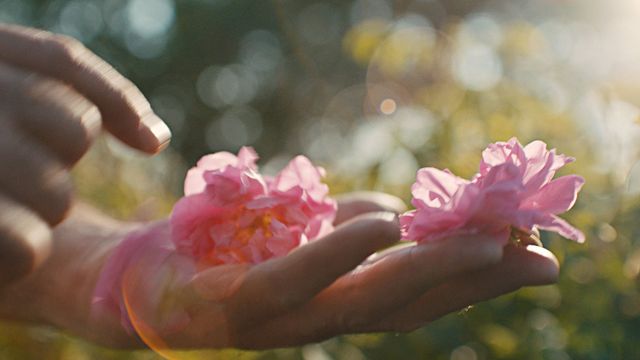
(375, 89)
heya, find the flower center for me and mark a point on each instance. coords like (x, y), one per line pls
(262, 222)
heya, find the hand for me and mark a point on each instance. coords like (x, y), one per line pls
(54, 97)
(326, 288)
(329, 287)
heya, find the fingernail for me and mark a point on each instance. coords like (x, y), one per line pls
(157, 134)
(546, 272)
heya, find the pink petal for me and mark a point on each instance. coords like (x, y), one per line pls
(233, 184)
(282, 241)
(194, 182)
(536, 151)
(406, 219)
(560, 226)
(557, 196)
(188, 213)
(497, 204)
(502, 173)
(247, 158)
(541, 165)
(301, 172)
(496, 154)
(217, 161)
(428, 225)
(434, 187)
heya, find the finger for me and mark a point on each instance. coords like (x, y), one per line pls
(520, 267)
(399, 278)
(357, 203)
(125, 111)
(287, 282)
(362, 298)
(25, 241)
(33, 177)
(52, 113)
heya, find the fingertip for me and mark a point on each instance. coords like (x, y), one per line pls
(536, 265)
(39, 240)
(547, 266)
(387, 201)
(92, 122)
(60, 189)
(382, 226)
(154, 134)
(25, 244)
(368, 201)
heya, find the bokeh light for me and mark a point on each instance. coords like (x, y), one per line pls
(374, 90)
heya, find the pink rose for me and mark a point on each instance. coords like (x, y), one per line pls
(514, 189)
(232, 214)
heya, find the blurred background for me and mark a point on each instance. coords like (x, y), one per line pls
(374, 90)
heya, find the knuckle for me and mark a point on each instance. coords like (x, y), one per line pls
(34, 87)
(76, 119)
(66, 50)
(60, 197)
(24, 243)
(82, 131)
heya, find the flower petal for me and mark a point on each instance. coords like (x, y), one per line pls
(557, 196)
(500, 153)
(434, 187)
(194, 182)
(247, 158)
(560, 226)
(541, 165)
(301, 172)
(188, 213)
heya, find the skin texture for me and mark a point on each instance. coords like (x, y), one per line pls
(55, 96)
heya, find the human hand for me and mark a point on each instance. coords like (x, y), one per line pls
(328, 287)
(54, 97)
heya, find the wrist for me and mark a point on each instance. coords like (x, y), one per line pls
(59, 292)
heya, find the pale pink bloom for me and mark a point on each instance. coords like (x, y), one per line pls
(232, 214)
(514, 188)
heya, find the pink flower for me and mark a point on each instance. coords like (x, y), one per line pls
(232, 214)
(514, 189)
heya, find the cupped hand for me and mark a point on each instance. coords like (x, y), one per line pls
(339, 284)
(55, 95)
